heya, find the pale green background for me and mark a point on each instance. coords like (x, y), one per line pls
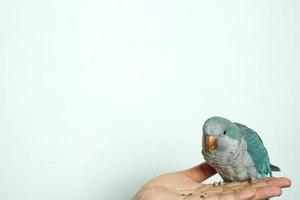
(97, 97)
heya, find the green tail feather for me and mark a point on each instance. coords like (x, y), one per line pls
(274, 168)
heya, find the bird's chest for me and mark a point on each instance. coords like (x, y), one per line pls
(238, 168)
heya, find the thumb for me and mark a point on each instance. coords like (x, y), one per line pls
(200, 172)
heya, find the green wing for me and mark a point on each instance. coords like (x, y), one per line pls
(257, 150)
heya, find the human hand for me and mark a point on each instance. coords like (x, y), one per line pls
(186, 185)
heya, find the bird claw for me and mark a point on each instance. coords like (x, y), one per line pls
(217, 183)
(251, 180)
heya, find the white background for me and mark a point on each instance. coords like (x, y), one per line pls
(97, 97)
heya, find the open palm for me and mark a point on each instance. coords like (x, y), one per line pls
(186, 185)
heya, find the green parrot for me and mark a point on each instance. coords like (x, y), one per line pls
(235, 151)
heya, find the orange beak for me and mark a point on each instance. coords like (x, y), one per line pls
(211, 143)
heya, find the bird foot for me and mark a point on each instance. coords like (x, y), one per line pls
(251, 180)
(217, 183)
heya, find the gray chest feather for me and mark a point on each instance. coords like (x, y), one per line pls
(237, 165)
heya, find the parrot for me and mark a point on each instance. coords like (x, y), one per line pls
(235, 151)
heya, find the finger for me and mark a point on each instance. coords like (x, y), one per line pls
(241, 183)
(200, 172)
(267, 192)
(238, 186)
(235, 184)
(242, 195)
(244, 184)
(280, 182)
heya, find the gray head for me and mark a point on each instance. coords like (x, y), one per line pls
(220, 134)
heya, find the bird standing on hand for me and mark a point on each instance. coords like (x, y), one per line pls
(235, 151)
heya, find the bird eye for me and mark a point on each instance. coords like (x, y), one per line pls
(224, 133)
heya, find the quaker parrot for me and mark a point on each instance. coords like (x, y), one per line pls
(235, 151)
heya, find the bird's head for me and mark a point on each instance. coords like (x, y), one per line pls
(220, 134)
